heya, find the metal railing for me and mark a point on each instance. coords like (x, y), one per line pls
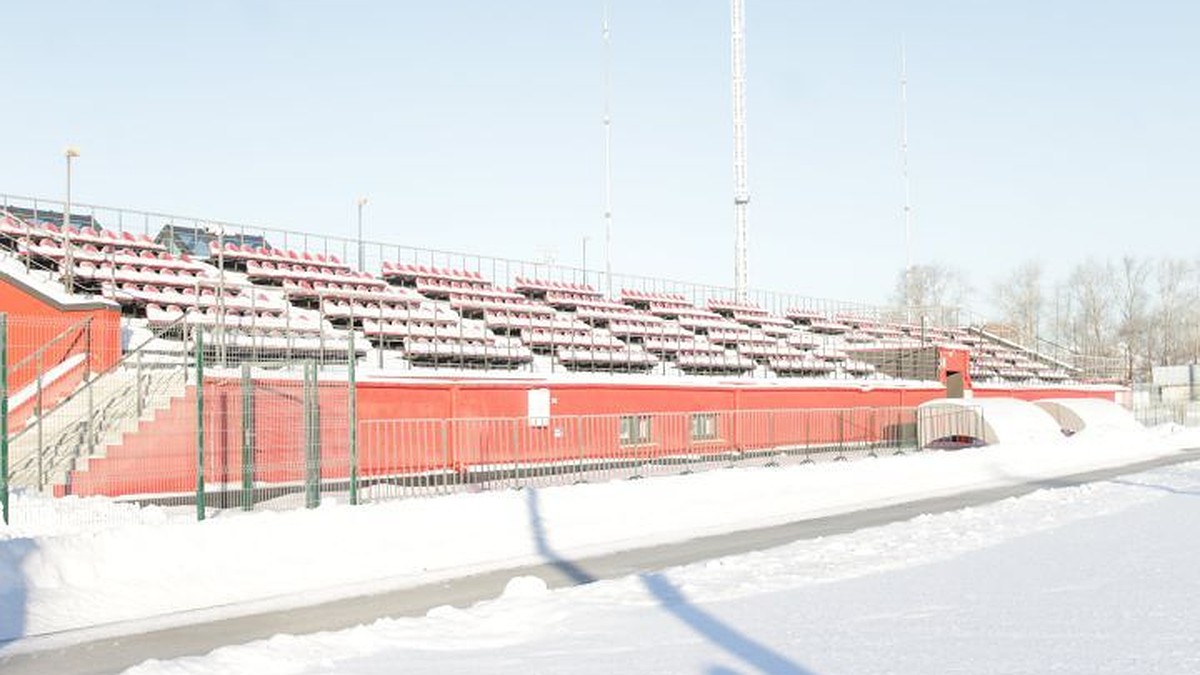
(89, 412)
(504, 272)
(501, 271)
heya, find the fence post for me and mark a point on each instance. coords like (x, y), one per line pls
(91, 401)
(4, 415)
(41, 446)
(445, 427)
(312, 438)
(140, 385)
(199, 347)
(248, 437)
(352, 383)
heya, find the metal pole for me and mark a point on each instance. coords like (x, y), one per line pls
(741, 189)
(585, 271)
(362, 201)
(69, 261)
(607, 121)
(140, 392)
(4, 415)
(248, 430)
(353, 421)
(199, 346)
(908, 259)
(91, 402)
(312, 441)
(40, 431)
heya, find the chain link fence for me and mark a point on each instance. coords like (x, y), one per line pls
(189, 417)
(180, 421)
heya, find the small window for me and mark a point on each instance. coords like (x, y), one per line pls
(635, 429)
(704, 426)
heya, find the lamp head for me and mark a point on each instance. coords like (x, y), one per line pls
(71, 151)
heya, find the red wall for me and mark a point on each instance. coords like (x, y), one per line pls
(34, 320)
(453, 426)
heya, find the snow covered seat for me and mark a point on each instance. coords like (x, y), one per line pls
(722, 362)
(648, 326)
(550, 340)
(477, 305)
(606, 358)
(805, 365)
(762, 352)
(741, 336)
(473, 354)
(675, 345)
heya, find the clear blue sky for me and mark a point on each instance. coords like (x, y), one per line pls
(1050, 130)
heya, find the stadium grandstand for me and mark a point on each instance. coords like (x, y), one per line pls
(114, 316)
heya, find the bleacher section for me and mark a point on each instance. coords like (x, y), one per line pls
(261, 300)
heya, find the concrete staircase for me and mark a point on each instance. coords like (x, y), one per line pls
(99, 413)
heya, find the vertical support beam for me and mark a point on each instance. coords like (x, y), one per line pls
(312, 438)
(352, 415)
(248, 438)
(4, 416)
(199, 347)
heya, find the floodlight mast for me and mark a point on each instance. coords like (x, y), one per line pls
(607, 122)
(908, 257)
(741, 189)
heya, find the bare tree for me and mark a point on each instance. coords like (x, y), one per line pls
(933, 290)
(1020, 301)
(1090, 294)
(1133, 313)
(1173, 325)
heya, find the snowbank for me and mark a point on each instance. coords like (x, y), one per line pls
(152, 567)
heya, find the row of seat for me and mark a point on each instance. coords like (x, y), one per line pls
(539, 287)
(540, 310)
(141, 296)
(56, 251)
(16, 228)
(250, 321)
(142, 274)
(410, 274)
(234, 253)
(278, 272)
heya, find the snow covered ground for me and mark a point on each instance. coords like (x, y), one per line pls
(1089, 579)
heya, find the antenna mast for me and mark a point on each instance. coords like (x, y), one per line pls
(908, 260)
(741, 190)
(607, 122)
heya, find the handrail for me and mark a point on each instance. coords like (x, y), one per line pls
(983, 332)
(773, 300)
(91, 383)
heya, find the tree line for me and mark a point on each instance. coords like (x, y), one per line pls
(1133, 311)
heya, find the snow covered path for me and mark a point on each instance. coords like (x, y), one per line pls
(1093, 579)
(151, 569)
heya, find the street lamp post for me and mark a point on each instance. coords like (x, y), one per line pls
(69, 261)
(585, 270)
(362, 201)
